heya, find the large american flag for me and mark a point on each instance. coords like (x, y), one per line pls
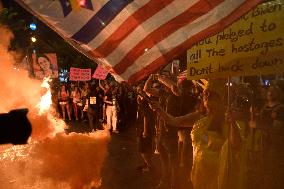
(133, 38)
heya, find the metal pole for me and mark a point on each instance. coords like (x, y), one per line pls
(228, 91)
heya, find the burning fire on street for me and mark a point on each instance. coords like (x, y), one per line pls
(51, 159)
(45, 100)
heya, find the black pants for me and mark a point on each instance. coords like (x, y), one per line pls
(93, 116)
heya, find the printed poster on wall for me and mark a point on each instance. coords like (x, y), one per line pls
(45, 65)
(251, 46)
(78, 74)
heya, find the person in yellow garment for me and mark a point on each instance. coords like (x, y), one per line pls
(210, 133)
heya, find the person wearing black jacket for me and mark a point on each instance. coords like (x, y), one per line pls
(94, 99)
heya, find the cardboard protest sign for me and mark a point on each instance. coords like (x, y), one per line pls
(86, 74)
(100, 73)
(253, 45)
(78, 74)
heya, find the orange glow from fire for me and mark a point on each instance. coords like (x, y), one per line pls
(45, 101)
(52, 159)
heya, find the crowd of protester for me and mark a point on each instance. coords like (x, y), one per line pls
(208, 134)
(100, 103)
(212, 134)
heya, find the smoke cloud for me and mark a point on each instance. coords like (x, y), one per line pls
(52, 159)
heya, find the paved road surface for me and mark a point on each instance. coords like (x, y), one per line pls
(119, 170)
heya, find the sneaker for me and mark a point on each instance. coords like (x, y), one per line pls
(115, 131)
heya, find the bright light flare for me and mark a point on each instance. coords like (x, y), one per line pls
(33, 39)
(33, 26)
(45, 101)
(82, 2)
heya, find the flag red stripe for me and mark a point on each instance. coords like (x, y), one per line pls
(129, 25)
(223, 23)
(191, 14)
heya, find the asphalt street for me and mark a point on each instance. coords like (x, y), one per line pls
(119, 171)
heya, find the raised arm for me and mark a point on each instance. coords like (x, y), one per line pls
(183, 121)
(102, 87)
(169, 84)
(148, 87)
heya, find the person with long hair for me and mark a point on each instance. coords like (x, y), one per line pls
(76, 96)
(145, 121)
(63, 97)
(272, 124)
(43, 67)
(210, 133)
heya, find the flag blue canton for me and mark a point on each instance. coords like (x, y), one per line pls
(102, 18)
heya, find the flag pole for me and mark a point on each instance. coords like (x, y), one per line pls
(229, 134)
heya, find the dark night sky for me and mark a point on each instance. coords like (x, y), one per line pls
(47, 39)
(42, 29)
(13, 4)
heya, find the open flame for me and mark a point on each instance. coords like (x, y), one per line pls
(51, 156)
(46, 114)
(50, 159)
(45, 101)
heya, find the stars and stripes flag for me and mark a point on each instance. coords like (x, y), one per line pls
(133, 38)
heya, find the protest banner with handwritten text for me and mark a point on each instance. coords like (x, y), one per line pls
(253, 45)
(78, 74)
(100, 73)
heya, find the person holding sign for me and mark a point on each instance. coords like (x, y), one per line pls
(210, 138)
(94, 100)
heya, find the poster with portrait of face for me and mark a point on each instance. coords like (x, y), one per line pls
(45, 65)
